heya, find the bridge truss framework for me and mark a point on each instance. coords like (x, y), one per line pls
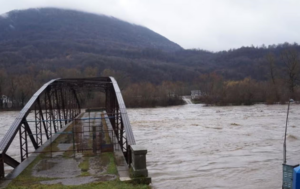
(55, 105)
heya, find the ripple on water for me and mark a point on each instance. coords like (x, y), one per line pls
(231, 147)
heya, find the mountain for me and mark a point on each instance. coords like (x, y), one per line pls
(37, 45)
(53, 39)
(73, 30)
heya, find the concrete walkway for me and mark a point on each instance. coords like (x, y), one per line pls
(75, 157)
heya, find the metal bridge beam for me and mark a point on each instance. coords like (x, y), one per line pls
(50, 111)
(10, 161)
(23, 142)
(42, 117)
(58, 99)
(27, 128)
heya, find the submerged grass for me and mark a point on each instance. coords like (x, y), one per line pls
(26, 178)
(85, 166)
(69, 153)
(111, 168)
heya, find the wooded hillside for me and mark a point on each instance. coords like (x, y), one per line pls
(37, 45)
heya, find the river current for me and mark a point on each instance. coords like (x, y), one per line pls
(193, 146)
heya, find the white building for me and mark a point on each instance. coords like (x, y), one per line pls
(195, 94)
(6, 103)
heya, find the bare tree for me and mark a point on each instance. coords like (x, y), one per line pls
(290, 59)
(272, 69)
(90, 72)
(121, 77)
(271, 65)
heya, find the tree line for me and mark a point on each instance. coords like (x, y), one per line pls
(18, 89)
(282, 84)
(276, 78)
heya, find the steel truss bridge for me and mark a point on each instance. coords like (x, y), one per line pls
(56, 104)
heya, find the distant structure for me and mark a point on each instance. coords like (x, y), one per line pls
(172, 94)
(6, 102)
(195, 94)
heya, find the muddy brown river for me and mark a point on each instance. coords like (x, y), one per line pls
(235, 147)
(193, 146)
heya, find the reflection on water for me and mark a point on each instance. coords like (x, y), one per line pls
(193, 146)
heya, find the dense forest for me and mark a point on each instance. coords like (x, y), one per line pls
(37, 45)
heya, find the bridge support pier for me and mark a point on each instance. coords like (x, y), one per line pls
(138, 165)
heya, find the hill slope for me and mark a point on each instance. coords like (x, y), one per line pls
(73, 30)
(53, 39)
(37, 45)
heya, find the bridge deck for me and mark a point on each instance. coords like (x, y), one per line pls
(86, 151)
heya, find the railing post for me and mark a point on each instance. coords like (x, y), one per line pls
(94, 140)
(2, 173)
(129, 156)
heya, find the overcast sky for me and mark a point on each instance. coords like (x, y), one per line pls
(206, 24)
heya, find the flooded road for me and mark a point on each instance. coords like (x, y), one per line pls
(193, 146)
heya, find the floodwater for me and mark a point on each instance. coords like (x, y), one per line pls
(193, 146)
(187, 99)
(6, 119)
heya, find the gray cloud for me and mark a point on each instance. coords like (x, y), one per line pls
(207, 24)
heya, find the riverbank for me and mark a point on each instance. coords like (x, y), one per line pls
(197, 101)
